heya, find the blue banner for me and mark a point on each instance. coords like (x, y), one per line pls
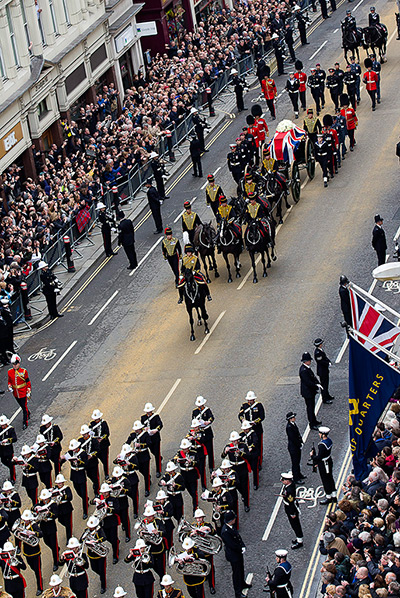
(371, 384)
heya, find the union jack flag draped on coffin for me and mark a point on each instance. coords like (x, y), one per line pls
(285, 141)
(370, 322)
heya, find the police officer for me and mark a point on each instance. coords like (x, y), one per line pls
(323, 365)
(106, 224)
(235, 166)
(292, 87)
(349, 21)
(234, 553)
(295, 442)
(189, 221)
(279, 583)
(50, 289)
(172, 252)
(309, 386)
(199, 125)
(379, 240)
(321, 75)
(155, 200)
(373, 17)
(158, 172)
(315, 88)
(323, 460)
(291, 509)
(345, 299)
(153, 424)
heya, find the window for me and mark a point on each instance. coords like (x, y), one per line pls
(53, 16)
(26, 28)
(2, 67)
(42, 109)
(66, 13)
(12, 36)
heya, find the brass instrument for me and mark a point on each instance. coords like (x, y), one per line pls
(188, 565)
(69, 555)
(56, 494)
(21, 533)
(203, 540)
(143, 533)
(101, 509)
(11, 558)
(94, 545)
(144, 557)
(169, 486)
(41, 513)
(116, 488)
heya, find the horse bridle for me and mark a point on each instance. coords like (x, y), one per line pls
(202, 242)
(192, 298)
(259, 236)
(222, 240)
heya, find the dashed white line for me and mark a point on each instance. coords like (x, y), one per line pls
(249, 579)
(103, 308)
(336, 30)
(214, 173)
(213, 327)
(15, 414)
(357, 5)
(320, 48)
(57, 363)
(169, 395)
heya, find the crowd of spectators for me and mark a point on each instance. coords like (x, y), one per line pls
(106, 140)
(361, 539)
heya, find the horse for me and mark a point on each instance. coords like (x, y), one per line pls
(259, 237)
(375, 38)
(239, 205)
(204, 240)
(351, 41)
(194, 293)
(276, 193)
(230, 241)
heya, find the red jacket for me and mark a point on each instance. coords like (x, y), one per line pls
(335, 137)
(370, 79)
(19, 383)
(302, 78)
(269, 88)
(262, 129)
(351, 117)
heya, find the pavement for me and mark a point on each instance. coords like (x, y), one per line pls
(125, 341)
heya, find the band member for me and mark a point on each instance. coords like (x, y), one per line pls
(11, 503)
(141, 442)
(253, 411)
(153, 424)
(228, 477)
(189, 221)
(165, 510)
(221, 500)
(236, 452)
(78, 459)
(11, 564)
(291, 509)
(65, 508)
(53, 437)
(95, 537)
(172, 252)
(154, 525)
(102, 434)
(143, 577)
(91, 446)
(20, 385)
(43, 463)
(279, 582)
(324, 462)
(189, 470)
(120, 485)
(31, 553)
(250, 440)
(205, 416)
(47, 511)
(77, 564)
(56, 590)
(194, 583)
(111, 519)
(213, 193)
(205, 528)
(168, 590)
(174, 485)
(28, 462)
(7, 439)
(129, 463)
(198, 450)
(4, 528)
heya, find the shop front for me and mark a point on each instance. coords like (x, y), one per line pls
(173, 18)
(203, 8)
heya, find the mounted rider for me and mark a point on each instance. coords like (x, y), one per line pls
(270, 165)
(349, 23)
(373, 17)
(227, 213)
(190, 261)
(249, 185)
(255, 209)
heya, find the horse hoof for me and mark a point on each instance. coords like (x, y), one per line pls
(206, 331)
(229, 279)
(211, 268)
(238, 275)
(216, 274)
(208, 281)
(274, 258)
(269, 265)
(199, 323)
(255, 280)
(265, 274)
(280, 221)
(192, 337)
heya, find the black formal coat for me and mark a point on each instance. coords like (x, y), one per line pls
(379, 239)
(233, 543)
(308, 382)
(126, 235)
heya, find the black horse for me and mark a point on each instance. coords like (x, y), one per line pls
(195, 292)
(204, 240)
(351, 41)
(259, 237)
(230, 241)
(375, 38)
(276, 193)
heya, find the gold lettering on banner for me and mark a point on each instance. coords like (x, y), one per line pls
(354, 409)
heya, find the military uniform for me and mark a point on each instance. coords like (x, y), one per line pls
(166, 517)
(254, 212)
(174, 486)
(250, 439)
(280, 583)
(53, 436)
(43, 465)
(154, 423)
(189, 223)
(110, 525)
(143, 577)
(49, 527)
(208, 556)
(379, 243)
(78, 462)
(333, 83)
(14, 582)
(142, 439)
(292, 87)
(65, 509)
(312, 126)
(131, 466)
(78, 579)
(20, 385)
(102, 434)
(255, 414)
(292, 511)
(7, 439)
(213, 195)
(324, 462)
(225, 211)
(174, 593)
(269, 90)
(295, 442)
(157, 551)
(205, 415)
(195, 583)
(32, 555)
(98, 564)
(222, 501)
(91, 447)
(12, 505)
(29, 477)
(172, 252)
(122, 507)
(237, 455)
(321, 76)
(189, 469)
(235, 165)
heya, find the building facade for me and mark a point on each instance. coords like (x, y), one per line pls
(55, 55)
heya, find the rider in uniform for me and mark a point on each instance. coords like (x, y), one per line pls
(254, 210)
(249, 185)
(225, 210)
(190, 261)
(213, 193)
(172, 252)
(189, 221)
(324, 462)
(349, 22)
(291, 509)
(280, 584)
(373, 17)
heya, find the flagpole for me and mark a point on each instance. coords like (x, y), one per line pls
(375, 299)
(353, 333)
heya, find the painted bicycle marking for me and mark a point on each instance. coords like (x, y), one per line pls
(44, 353)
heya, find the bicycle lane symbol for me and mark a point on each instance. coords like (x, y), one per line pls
(310, 495)
(44, 353)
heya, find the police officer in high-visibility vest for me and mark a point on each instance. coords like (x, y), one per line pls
(323, 460)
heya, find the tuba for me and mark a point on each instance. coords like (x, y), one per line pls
(190, 565)
(144, 534)
(202, 540)
(94, 545)
(23, 534)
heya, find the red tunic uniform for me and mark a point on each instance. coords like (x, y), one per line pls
(19, 383)
(269, 88)
(302, 78)
(370, 79)
(262, 130)
(351, 117)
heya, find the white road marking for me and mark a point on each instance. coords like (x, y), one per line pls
(57, 363)
(279, 499)
(249, 579)
(169, 395)
(207, 336)
(103, 308)
(342, 351)
(15, 414)
(356, 6)
(214, 173)
(336, 30)
(144, 258)
(320, 48)
(305, 183)
(180, 214)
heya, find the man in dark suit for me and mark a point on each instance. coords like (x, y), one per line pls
(295, 442)
(234, 551)
(379, 240)
(345, 299)
(195, 153)
(323, 364)
(126, 238)
(309, 385)
(155, 201)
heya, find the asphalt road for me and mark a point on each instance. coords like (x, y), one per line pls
(138, 348)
